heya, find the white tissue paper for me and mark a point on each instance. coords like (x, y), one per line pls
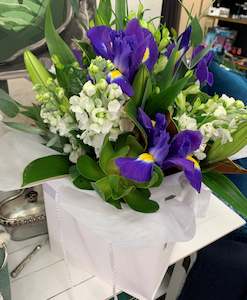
(127, 249)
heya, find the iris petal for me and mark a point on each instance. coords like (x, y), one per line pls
(185, 143)
(192, 173)
(118, 78)
(135, 169)
(101, 39)
(151, 51)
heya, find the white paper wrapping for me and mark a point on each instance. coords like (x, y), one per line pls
(124, 248)
(17, 150)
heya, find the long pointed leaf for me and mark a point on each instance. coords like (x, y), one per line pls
(8, 105)
(227, 191)
(55, 43)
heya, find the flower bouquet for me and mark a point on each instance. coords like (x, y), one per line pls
(125, 109)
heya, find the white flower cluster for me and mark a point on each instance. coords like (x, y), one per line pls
(74, 149)
(216, 119)
(57, 123)
(99, 111)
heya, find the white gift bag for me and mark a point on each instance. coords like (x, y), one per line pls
(127, 249)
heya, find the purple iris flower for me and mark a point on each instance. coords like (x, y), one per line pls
(78, 55)
(184, 44)
(165, 152)
(201, 70)
(127, 50)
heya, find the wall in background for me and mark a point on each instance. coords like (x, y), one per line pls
(154, 6)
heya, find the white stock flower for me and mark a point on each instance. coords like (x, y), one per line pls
(224, 135)
(99, 111)
(228, 101)
(220, 112)
(89, 89)
(186, 122)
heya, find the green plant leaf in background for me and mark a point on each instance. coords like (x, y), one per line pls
(139, 201)
(227, 191)
(104, 13)
(131, 110)
(46, 168)
(55, 43)
(121, 13)
(36, 70)
(160, 102)
(197, 33)
(141, 86)
(25, 128)
(89, 168)
(7, 105)
(219, 151)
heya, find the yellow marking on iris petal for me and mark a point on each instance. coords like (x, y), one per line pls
(115, 74)
(146, 55)
(196, 163)
(147, 157)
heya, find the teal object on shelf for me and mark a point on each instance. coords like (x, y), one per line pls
(4, 277)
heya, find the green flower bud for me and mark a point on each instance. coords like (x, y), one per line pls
(192, 90)
(152, 28)
(157, 90)
(163, 43)
(140, 10)
(161, 64)
(36, 70)
(181, 101)
(239, 104)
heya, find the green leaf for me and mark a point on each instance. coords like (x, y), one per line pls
(197, 33)
(87, 50)
(76, 6)
(121, 13)
(118, 187)
(36, 70)
(25, 128)
(46, 168)
(160, 102)
(7, 105)
(55, 43)
(82, 183)
(108, 156)
(140, 85)
(139, 201)
(131, 111)
(135, 147)
(164, 78)
(227, 191)
(105, 11)
(89, 168)
(102, 187)
(219, 152)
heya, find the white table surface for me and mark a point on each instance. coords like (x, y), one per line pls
(45, 277)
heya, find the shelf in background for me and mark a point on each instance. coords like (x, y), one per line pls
(231, 20)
